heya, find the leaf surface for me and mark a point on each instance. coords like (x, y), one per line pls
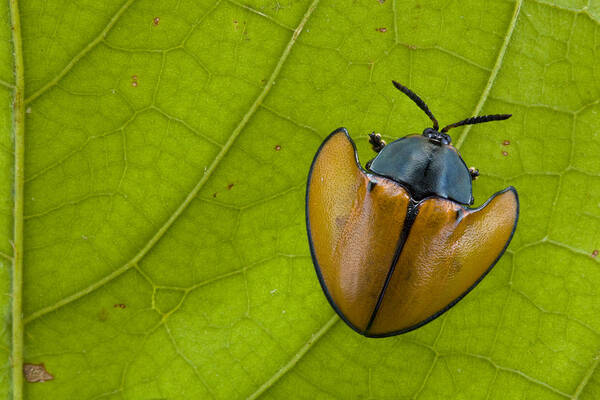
(166, 150)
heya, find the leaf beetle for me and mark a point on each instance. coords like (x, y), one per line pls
(395, 244)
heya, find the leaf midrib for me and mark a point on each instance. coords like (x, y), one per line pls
(18, 129)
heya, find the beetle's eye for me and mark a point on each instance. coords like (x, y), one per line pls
(429, 132)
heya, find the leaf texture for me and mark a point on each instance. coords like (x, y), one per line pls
(166, 149)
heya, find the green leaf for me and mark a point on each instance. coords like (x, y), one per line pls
(159, 223)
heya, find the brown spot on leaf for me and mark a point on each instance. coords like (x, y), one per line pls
(36, 373)
(134, 83)
(506, 142)
(120, 305)
(277, 147)
(229, 186)
(156, 21)
(504, 153)
(595, 253)
(382, 30)
(412, 46)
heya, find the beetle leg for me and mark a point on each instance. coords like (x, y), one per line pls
(474, 173)
(376, 142)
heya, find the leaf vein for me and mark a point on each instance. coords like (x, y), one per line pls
(495, 70)
(7, 84)
(81, 54)
(4, 255)
(294, 360)
(252, 10)
(188, 361)
(587, 377)
(18, 131)
(583, 10)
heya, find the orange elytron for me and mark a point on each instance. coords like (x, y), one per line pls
(395, 246)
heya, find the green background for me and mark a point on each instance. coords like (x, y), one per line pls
(179, 193)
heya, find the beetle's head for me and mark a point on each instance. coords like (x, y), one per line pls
(437, 137)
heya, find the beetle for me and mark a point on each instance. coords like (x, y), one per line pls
(395, 244)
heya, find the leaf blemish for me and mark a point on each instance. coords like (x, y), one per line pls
(229, 186)
(382, 30)
(36, 373)
(595, 253)
(156, 21)
(134, 81)
(277, 147)
(506, 142)
(120, 305)
(504, 153)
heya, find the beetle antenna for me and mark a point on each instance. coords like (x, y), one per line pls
(477, 120)
(413, 96)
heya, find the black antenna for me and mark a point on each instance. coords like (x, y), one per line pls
(477, 120)
(411, 95)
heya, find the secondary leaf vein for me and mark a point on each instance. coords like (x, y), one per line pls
(81, 54)
(294, 360)
(495, 70)
(587, 377)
